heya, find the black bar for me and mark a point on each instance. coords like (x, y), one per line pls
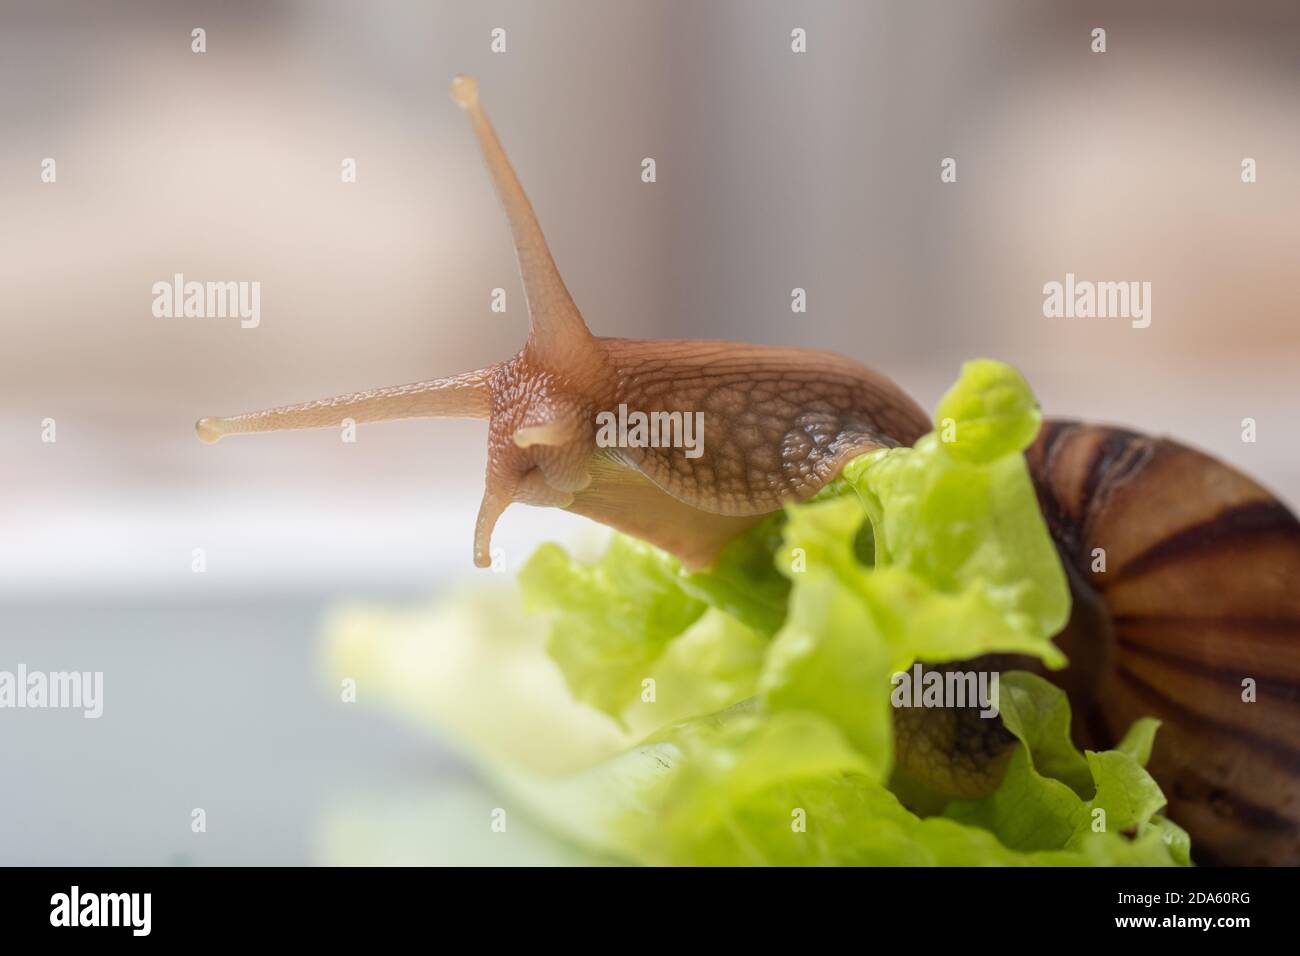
(371, 905)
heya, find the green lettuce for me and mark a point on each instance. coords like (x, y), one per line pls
(1052, 796)
(789, 789)
(614, 618)
(753, 699)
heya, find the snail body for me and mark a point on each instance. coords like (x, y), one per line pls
(782, 420)
(1202, 589)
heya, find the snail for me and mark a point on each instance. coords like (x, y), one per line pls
(1203, 589)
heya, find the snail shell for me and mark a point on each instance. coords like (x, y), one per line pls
(1198, 605)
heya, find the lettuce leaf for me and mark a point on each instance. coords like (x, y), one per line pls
(991, 413)
(612, 619)
(788, 788)
(760, 690)
(958, 512)
(1052, 796)
(830, 659)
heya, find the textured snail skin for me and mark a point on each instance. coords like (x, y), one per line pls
(778, 422)
(1203, 582)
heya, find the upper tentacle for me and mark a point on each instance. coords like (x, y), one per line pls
(557, 333)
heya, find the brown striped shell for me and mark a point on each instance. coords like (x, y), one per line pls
(1200, 596)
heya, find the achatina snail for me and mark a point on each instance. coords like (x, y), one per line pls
(1203, 582)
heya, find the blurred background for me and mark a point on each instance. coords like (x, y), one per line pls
(775, 171)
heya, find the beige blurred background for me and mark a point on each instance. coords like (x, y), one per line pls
(775, 170)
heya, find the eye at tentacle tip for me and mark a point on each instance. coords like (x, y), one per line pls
(209, 430)
(464, 90)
